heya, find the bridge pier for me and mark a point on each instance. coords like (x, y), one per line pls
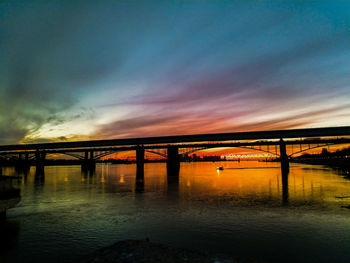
(39, 177)
(40, 159)
(284, 157)
(140, 160)
(284, 171)
(173, 161)
(22, 165)
(89, 162)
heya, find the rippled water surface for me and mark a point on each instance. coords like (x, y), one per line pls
(243, 210)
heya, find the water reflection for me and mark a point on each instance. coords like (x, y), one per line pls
(247, 183)
(248, 206)
(285, 195)
(140, 180)
(343, 172)
(173, 185)
(39, 177)
(87, 176)
(22, 169)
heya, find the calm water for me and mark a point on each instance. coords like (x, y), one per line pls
(243, 212)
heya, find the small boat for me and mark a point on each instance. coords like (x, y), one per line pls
(220, 168)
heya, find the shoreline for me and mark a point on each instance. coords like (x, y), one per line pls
(332, 163)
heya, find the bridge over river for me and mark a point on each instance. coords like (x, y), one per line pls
(274, 142)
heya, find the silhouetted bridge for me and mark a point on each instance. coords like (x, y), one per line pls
(274, 142)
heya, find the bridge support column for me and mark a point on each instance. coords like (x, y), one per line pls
(40, 160)
(39, 177)
(284, 157)
(89, 163)
(140, 160)
(92, 161)
(22, 165)
(173, 161)
(284, 171)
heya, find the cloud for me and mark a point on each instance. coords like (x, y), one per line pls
(177, 68)
(45, 70)
(182, 123)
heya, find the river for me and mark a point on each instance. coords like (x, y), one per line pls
(242, 211)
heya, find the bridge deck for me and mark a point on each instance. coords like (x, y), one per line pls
(237, 136)
(194, 145)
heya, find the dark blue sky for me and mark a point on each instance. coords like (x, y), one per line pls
(74, 70)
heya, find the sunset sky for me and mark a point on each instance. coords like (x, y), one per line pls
(73, 70)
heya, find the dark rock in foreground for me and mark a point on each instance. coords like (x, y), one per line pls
(145, 251)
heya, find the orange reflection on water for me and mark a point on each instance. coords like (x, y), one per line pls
(239, 183)
(257, 182)
(236, 180)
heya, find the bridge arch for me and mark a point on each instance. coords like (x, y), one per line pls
(74, 155)
(31, 157)
(262, 150)
(244, 147)
(104, 154)
(158, 153)
(311, 148)
(116, 151)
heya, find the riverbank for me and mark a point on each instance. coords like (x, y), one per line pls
(136, 251)
(333, 163)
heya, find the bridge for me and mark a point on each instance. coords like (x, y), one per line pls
(274, 142)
